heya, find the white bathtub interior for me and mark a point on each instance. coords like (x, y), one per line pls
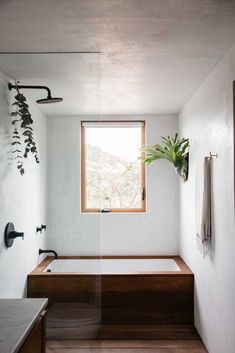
(112, 266)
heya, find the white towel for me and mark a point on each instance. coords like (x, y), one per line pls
(205, 231)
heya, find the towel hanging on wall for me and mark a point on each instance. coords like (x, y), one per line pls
(205, 231)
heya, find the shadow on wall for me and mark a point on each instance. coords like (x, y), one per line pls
(6, 157)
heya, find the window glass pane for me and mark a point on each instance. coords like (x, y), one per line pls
(113, 168)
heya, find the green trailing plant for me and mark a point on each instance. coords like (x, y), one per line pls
(172, 149)
(23, 126)
(17, 152)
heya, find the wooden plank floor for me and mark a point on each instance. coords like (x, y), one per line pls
(123, 332)
(125, 346)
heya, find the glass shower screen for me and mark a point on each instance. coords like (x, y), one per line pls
(73, 281)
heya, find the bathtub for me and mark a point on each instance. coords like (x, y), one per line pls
(112, 266)
(111, 293)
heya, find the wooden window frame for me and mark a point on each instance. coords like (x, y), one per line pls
(84, 209)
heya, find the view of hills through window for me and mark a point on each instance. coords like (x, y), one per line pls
(113, 177)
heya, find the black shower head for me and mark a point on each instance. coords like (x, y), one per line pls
(49, 100)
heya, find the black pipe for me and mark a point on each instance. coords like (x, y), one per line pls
(11, 86)
(40, 251)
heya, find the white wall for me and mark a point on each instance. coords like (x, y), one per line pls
(73, 233)
(22, 201)
(207, 119)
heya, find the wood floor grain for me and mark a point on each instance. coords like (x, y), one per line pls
(125, 346)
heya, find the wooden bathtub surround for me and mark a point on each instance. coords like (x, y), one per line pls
(128, 306)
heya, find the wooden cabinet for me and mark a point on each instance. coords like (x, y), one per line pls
(35, 341)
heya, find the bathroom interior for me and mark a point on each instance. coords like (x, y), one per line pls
(117, 176)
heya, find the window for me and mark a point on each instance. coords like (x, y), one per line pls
(112, 174)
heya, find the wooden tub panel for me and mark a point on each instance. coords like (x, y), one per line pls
(126, 300)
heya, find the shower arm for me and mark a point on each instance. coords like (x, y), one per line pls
(11, 86)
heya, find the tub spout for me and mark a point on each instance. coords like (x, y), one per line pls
(40, 251)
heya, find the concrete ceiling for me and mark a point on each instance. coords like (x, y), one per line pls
(154, 53)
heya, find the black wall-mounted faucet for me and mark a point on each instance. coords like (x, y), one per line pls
(38, 229)
(43, 226)
(40, 251)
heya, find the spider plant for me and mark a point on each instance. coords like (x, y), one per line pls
(172, 149)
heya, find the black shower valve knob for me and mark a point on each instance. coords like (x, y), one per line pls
(38, 229)
(10, 234)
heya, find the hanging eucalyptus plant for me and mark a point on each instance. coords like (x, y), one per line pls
(174, 150)
(23, 126)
